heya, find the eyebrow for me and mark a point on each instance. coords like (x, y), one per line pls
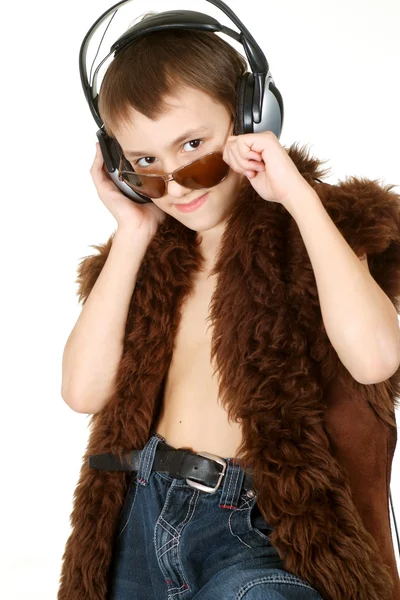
(179, 139)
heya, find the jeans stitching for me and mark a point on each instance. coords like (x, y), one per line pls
(245, 506)
(280, 579)
(237, 477)
(148, 452)
(248, 516)
(170, 548)
(195, 494)
(145, 459)
(133, 483)
(234, 512)
(178, 533)
(173, 538)
(169, 524)
(180, 591)
(237, 473)
(264, 536)
(161, 517)
(192, 505)
(164, 475)
(174, 541)
(227, 501)
(250, 524)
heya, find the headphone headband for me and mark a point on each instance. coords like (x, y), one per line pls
(178, 19)
(189, 19)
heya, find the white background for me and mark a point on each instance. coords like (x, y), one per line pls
(337, 67)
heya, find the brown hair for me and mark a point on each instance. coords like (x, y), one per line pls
(142, 74)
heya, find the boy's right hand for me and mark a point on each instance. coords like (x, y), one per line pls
(128, 214)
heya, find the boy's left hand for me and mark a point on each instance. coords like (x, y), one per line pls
(269, 168)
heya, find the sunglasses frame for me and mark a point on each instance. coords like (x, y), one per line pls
(167, 176)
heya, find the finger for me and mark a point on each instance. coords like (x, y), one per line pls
(241, 165)
(251, 165)
(247, 158)
(249, 154)
(243, 149)
(97, 164)
(98, 157)
(232, 161)
(98, 173)
(225, 156)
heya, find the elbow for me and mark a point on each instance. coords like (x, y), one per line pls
(76, 401)
(378, 375)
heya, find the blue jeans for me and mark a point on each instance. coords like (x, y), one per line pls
(175, 542)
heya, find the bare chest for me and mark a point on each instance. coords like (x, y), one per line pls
(191, 415)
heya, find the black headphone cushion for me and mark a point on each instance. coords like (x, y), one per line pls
(240, 104)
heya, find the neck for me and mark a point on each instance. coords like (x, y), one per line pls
(209, 244)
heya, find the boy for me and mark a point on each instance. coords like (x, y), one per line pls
(200, 334)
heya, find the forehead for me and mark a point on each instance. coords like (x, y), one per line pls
(187, 109)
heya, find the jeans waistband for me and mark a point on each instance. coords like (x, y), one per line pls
(233, 481)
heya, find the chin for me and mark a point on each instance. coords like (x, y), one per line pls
(208, 222)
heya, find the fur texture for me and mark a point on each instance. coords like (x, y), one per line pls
(320, 445)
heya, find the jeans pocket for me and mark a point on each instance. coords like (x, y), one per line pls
(127, 507)
(257, 522)
(247, 523)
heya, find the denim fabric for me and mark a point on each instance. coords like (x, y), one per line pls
(175, 542)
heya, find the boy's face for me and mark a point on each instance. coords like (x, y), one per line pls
(211, 124)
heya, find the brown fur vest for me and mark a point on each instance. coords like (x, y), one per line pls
(320, 444)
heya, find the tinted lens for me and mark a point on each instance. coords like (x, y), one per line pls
(203, 173)
(148, 186)
(152, 187)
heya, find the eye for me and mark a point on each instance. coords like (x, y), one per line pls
(148, 158)
(194, 141)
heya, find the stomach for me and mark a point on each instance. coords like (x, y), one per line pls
(198, 422)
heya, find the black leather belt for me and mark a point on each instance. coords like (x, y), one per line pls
(202, 470)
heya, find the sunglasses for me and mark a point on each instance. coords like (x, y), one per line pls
(204, 172)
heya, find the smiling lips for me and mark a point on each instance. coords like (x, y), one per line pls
(192, 202)
(192, 205)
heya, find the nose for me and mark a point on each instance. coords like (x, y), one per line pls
(176, 190)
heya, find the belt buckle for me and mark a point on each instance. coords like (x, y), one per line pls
(207, 488)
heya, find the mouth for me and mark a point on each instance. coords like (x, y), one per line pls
(192, 202)
(194, 205)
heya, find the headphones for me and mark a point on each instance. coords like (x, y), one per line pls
(259, 105)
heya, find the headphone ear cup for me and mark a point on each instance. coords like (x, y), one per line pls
(111, 151)
(238, 128)
(244, 104)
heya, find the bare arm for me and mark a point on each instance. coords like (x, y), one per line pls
(360, 319)
(94, 347)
